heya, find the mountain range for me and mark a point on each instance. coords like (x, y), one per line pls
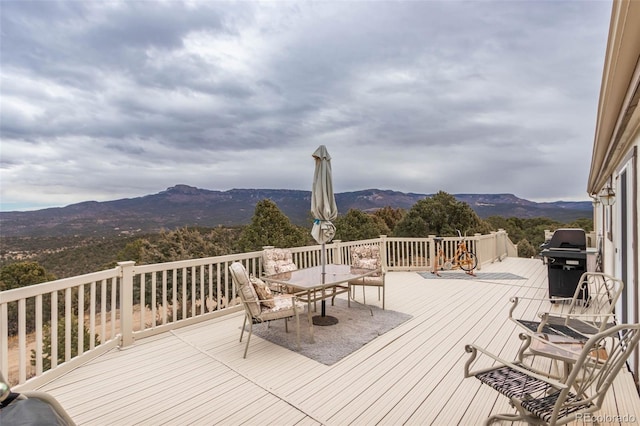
(184, 205)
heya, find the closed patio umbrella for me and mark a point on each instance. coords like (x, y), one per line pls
(323, 202)
(324, 210)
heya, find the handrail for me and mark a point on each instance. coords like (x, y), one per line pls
(83, 316)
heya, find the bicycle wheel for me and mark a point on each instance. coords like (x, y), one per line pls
(468, 261)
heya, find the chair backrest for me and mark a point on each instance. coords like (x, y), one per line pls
(600, 361)
(276, 260)
(246, 291)
(602, 294)
(367, 256)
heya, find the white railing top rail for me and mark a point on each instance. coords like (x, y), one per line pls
(61, 284)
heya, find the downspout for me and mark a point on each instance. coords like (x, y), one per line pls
(634, 249)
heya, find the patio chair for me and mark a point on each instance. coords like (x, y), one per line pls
(30, 407)
(590, 309)
(368, 257)
(266, 307)
(276, 260)
(542, 399)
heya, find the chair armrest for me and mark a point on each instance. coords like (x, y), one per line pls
(474, 349)
(516, 299)
(576, 316)
(275, 287)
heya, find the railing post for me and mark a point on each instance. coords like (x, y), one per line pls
(383, 251)
(126, 303)
(337, 252)
(432, 253)
(476, 238)
(4, 341)
(494, 247)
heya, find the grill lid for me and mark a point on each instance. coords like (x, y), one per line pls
(568, 239)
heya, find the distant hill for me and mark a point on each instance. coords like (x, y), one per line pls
(183, 205)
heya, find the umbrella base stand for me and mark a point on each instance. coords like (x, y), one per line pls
(324, 320)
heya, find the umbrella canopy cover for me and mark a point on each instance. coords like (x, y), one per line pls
(323, 202)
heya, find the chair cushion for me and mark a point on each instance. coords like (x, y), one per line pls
(372, 281)
(245, 289)
(367, 257)
(277, 260)
(249, 296)
(263, 291)
(283, 308)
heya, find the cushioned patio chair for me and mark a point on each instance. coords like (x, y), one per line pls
(590, 310)
(276, 260)
(368, 257)
(30, 407)
(542, 399)
(261, 306)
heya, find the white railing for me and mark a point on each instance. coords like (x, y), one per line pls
(107, 309)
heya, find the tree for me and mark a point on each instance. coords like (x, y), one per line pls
(584, 223)
(412, 225)
(358, 225)
(270, 227)
(390, 216)
(530, 231)
(21, 274)
(134, 250)
(440, 215)
(525, 249)
(179, 244)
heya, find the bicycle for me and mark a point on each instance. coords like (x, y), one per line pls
(462, 259)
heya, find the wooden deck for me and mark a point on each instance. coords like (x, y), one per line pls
(411, 375)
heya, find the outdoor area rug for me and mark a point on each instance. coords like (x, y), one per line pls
(461, 275)
(356, 327)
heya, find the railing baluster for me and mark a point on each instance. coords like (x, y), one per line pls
(114, 305)
(38, 353)
(165, 297)
(193, 291)
(54, 329)
(103, 309)
(80, 320)
(92, 316)
(22, 339)
(67, 324)
(210, 284)
(174, 295)
(201, 297)
(143, 289)
(218, 287)
(183, 286)
(4, 340)
(154, 306)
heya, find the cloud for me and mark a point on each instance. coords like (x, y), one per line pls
(105, 100)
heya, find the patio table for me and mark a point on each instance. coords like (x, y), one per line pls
(563, 349)
(310, 286)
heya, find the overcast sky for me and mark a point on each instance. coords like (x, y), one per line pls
(108, 100)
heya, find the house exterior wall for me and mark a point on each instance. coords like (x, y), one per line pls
(615, 159)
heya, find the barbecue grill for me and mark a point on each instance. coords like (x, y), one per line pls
(566, 257)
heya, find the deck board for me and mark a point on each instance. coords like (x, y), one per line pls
(411, 375)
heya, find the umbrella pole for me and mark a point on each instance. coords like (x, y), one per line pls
(323, 259)
(323, 319)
